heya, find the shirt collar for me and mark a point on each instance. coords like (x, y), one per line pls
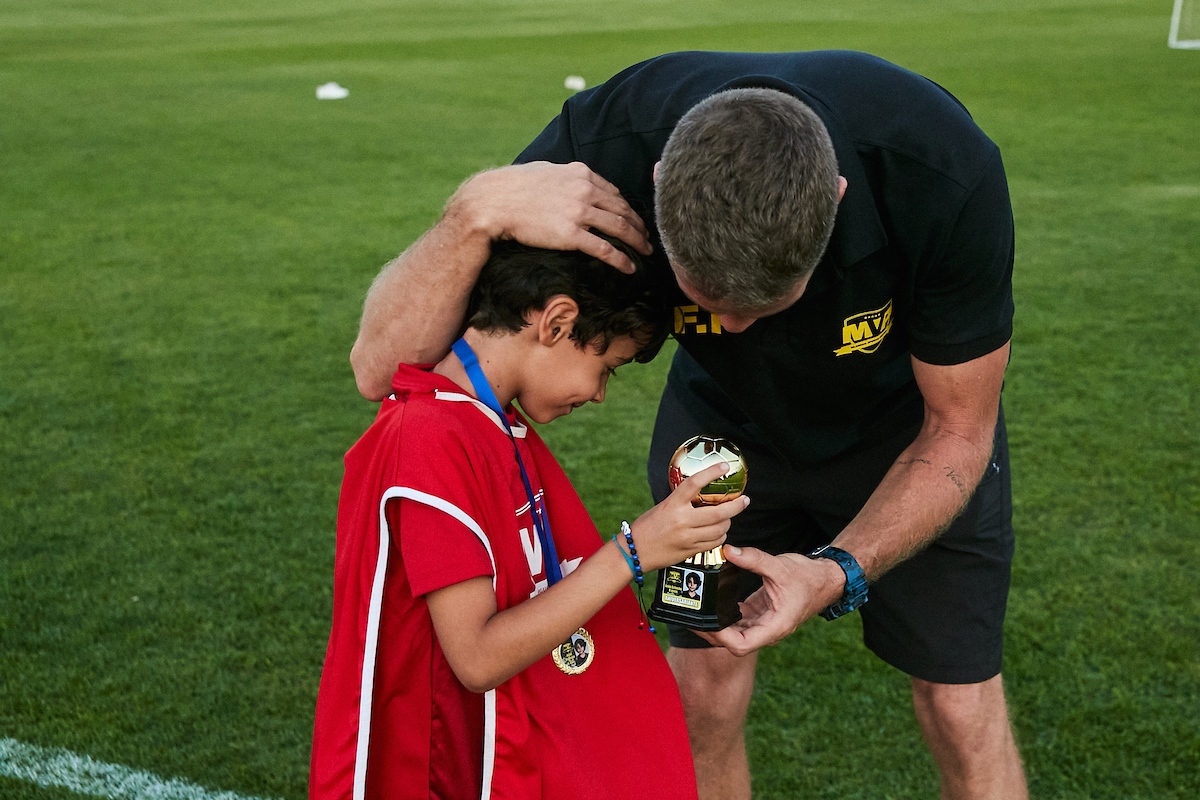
(518, 428)
(414, 378)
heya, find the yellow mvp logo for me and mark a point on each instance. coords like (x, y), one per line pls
(863, 333)
(690, 319)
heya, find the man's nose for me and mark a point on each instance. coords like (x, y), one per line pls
(734, 323)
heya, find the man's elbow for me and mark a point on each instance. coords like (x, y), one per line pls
(366, 378)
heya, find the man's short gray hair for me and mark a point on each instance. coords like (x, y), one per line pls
(746, 195)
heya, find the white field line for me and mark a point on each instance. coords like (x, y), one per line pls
(53, 767)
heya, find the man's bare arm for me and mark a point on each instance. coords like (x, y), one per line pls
(922, 493)
(932, 480)
(416, 304)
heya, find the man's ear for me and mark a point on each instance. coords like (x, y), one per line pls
(555, 322)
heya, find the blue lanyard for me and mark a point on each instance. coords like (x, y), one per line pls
(541, 521)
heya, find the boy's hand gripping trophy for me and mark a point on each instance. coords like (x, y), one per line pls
(701, 592)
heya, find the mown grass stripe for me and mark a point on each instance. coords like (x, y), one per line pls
(54, 767)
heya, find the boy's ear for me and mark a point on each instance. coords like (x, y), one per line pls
(555, 322)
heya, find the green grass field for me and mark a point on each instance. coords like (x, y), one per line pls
(186, 236)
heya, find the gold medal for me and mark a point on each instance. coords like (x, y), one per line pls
(575, 654)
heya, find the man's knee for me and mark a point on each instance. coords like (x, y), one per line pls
(964, 711)
(715, 686)
(967, 729)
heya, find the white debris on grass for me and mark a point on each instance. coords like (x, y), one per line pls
(332, 91)
(575, 83)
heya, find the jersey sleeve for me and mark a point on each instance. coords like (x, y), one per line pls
(438, 549)
(963, 303)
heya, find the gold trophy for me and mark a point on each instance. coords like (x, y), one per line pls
(701, 592)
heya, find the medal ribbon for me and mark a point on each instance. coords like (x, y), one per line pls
(541, 521)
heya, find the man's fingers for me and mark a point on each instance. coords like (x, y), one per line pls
(751, 639)
(737, 640)
(626, 217)
(756, 605)
(759, 626)
(751, 558)
(612, 200)
(577, 229)
(609, 212)
(601, 192)
(624, 226)
(596, 247)
(558, 206)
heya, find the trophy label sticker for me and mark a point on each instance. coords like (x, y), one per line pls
(576, 654)
(683, 588)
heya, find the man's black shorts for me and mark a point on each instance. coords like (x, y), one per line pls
(937, 616)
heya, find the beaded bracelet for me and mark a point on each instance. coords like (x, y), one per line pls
(625, 555)
(635, 562)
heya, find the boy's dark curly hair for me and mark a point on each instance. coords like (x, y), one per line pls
(518, 279)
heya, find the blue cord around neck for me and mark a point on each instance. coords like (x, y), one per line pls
(541, 521)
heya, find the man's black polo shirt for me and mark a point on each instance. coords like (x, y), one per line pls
(920, 260)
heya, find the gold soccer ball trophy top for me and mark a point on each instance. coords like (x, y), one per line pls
(701, 452)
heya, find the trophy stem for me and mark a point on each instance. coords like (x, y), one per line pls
(708, 558)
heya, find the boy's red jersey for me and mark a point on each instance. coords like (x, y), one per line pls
(431, 497)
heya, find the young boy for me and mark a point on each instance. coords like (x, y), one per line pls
(485, 642)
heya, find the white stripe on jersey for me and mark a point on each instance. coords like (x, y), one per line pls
(518, 430)
(372, 644)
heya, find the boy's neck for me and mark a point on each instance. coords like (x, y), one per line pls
(498, 359)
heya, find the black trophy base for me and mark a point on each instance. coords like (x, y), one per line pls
(703, 598)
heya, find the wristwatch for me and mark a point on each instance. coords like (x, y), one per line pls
(856, 581)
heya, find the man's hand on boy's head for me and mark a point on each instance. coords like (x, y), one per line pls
(555, 206)
(675, 529)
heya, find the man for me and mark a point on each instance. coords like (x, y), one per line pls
(836, 237)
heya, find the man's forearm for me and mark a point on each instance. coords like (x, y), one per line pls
(922, 493)
(935, 476)
(416, 304)
(924, 490)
